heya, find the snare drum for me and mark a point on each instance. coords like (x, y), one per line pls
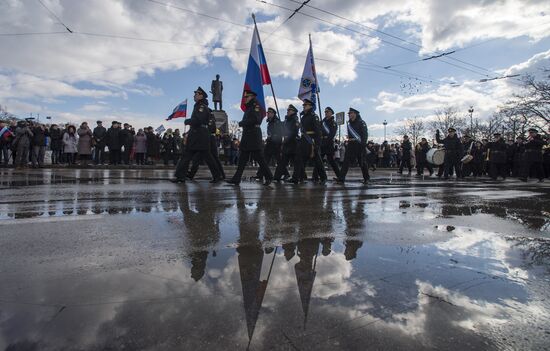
(466, 159)
(436, 156)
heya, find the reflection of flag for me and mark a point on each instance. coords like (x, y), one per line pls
(257, 73)
(160, 129)
(180, 111)
(309, 86)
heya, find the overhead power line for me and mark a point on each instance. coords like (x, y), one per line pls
(55, 16)
(287, 19)
(179, 8)
(368, 35)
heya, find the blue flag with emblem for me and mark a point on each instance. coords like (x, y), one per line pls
(309, 85)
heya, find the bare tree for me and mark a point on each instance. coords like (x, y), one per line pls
(414, 128)
(448, 117)
(532, 105)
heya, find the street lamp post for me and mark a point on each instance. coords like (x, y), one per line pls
(471, 110)
(385, 124)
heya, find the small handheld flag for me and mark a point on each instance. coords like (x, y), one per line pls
(179, 111)
(160, 129)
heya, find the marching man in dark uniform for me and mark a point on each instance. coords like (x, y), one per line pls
(309, 145)
(198, 139)
(453, 152)
(357, 141)
(290, 141)
(213, 150)
(497, 157)
(532, 157)
(251, 141)
(329, 129)
(273, 142)
(406, 148)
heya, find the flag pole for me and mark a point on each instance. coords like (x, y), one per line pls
(316, 81)
(271, 83)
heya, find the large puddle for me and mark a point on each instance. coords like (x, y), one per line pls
(132, 264)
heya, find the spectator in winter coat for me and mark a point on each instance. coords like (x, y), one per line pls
(70, 143)
(100, 140)
(22, 143)
(56, 143)
(114, 143)
(140, 145)
(6, 137)
(85, 137)
(38, 145)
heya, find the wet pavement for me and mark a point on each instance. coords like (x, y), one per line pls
(123, 259)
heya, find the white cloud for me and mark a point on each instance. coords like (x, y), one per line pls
(94, 107)
(283, 103)
(357, 101)
(47, 67)
(485, 97)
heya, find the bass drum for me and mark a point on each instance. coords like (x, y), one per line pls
(436, 156)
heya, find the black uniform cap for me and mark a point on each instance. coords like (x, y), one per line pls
(115, 122)
(291, 107)
(532, 130)
(307, 102)
(271, 109)
(202, 92)
(497, 134)
(451, 130)
(329, 109)
(249, 92)
(98, 122)
(351, 109)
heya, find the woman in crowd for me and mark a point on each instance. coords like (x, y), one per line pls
(70, 143)
(140, 145)
(85, 138)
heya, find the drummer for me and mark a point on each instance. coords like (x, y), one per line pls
(497, 157)
(453, 152)
(421, 157)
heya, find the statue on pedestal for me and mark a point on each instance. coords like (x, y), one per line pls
(216, 90)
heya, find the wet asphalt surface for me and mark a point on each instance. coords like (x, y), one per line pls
(123, 259)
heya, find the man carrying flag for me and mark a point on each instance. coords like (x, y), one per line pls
(310, 142)
(253, 105)
(257, 74)
(180, 111)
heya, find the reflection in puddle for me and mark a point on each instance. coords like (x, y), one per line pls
(203, 268)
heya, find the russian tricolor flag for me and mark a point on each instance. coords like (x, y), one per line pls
(257, 73)
(179, 111)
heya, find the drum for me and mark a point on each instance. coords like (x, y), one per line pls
(466, 159)
(436, 156)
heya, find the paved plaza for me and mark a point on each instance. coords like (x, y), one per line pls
(125, 260)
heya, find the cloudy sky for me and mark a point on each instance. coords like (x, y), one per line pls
(134, 60)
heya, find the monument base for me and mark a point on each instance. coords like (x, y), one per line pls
(222, 121)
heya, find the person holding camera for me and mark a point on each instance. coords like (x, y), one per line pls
(22, 144)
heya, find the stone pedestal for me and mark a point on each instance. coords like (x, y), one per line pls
(222, 122)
